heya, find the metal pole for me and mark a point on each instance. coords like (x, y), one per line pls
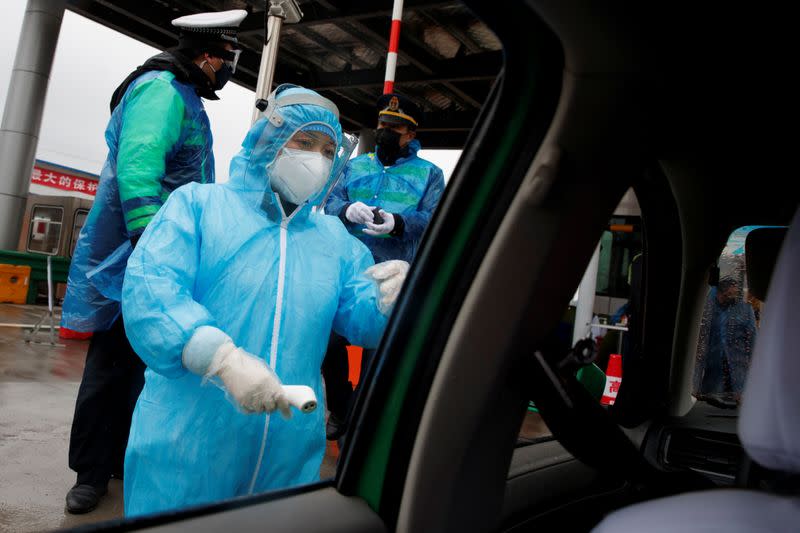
(585, 307)
(394, 45)
(31, 335)
(269, 54)
(50, 283)
(50, 297)
(22, 118)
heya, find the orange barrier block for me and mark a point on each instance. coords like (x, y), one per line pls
(332, 449)
(14, 283)
(354, 359)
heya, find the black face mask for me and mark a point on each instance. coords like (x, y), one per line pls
(388, 145)
(222, 76)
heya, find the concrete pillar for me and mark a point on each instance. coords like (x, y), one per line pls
(585, 307)
(22, 118)
(366, 141)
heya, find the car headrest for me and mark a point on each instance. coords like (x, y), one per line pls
(769, 420)
(761, 253)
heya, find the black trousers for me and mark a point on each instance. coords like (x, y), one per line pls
(336, 372)
(113, 377)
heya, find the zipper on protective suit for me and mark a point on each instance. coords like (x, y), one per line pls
(276, 326)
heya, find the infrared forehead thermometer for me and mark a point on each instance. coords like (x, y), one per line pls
(302, 397)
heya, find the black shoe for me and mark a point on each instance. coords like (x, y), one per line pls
(335, 428)
(84, 498)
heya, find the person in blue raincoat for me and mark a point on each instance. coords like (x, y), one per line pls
(240, 284)
(727, 336)
(386, 199)
(159, 138)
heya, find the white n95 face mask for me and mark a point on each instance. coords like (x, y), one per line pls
(297, 175)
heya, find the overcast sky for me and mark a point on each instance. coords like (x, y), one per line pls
(91, 60)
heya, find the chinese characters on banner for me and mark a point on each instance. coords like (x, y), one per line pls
(48, 182)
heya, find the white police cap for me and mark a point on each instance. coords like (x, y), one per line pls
(222, 24)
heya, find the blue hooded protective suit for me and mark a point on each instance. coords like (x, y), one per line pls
(224, 261)
(411, 188)
(159, 138)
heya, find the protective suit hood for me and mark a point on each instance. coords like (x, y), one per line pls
(291, 109)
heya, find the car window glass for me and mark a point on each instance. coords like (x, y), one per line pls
(189, 465)
(607, 314)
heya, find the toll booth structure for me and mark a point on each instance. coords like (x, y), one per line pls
(55, 211)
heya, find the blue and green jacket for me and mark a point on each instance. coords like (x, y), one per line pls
(159, 138)
(410, 189)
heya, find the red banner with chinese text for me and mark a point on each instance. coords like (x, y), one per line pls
(49, 182)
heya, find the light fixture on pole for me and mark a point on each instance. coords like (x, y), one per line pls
(278, 13)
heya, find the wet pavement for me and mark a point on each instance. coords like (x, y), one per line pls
(38, 386)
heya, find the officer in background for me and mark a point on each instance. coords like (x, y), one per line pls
(386, 199)
(159, 138)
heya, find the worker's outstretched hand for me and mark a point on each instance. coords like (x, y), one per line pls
(383, 228)
(251, 382)
(389, 276)
(359, 213)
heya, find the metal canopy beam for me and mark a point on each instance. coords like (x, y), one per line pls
(353, 11)
(463, 81)
(311, 33)
(460, 35)
(410, 51)
(479, 67)
(125, 22)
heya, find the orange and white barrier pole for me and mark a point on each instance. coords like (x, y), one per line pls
(394, 44)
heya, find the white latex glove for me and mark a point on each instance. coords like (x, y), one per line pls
(389, 276)
(251, 382)
(359, 213)
(380, 229)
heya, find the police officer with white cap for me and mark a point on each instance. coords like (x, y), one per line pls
(159, 138)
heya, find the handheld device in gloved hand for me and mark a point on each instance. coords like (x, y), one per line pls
(249, 380)
(376, 216)
(255, 386)
(302, 397)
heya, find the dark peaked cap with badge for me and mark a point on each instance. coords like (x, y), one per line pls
(397, 109)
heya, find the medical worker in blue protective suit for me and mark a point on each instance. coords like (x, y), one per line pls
(240, 284)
